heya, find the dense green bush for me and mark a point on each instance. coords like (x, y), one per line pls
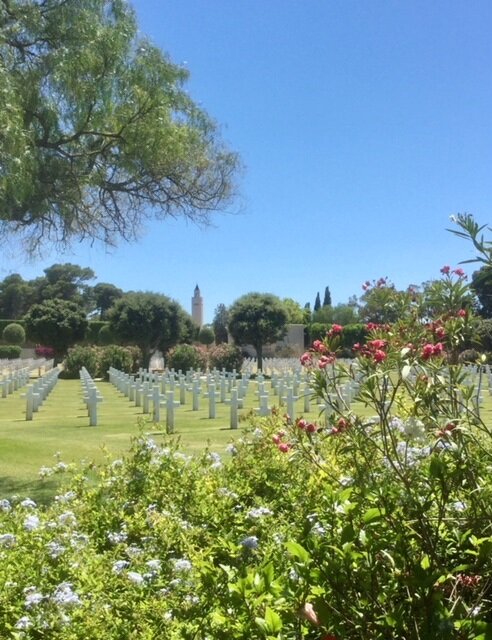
(206, 335)
(353, 333)
(14, 333)
(185, 357)
(114, 356)
(225, 356)
(137, 357)
(10, 351)
(105, 335)
(93, 330)
(78, 357)
(317, 330)
(482, 338)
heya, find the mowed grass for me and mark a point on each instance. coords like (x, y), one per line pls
(60, 431)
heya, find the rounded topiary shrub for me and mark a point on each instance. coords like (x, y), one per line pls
(14, 334)
(114, 356)
(10, 351)
(226, 356)
(185, 357)
(78, 357)
(206, 335)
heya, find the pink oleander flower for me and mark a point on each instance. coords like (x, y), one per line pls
(336, 329)
(379, 355)
(284, 447)
(461, 313)
(377, 344)
(302, 424)
(319, 346)
(427, 351)
(445, 270)
(324, 361)
(311, 427)
(306, 359)
(459, 272)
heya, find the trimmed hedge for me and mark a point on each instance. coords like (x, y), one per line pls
(10, 351)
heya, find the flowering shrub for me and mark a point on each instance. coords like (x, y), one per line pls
(42, 351)
(187, 356)
(225, 356)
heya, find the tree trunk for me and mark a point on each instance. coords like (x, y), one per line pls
(259, 356)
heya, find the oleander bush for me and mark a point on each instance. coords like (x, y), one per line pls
(78, 357)
(186, 357)
(225, 356)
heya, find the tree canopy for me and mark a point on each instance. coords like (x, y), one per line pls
(96, 131)
(482, 286)
(57, 323)
(257, 319)
(151, 321)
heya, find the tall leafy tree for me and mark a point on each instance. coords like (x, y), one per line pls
(151, 321)
(56, 323)
(257, 319)
(295, 313)
(104, 295)
(219, 323)
(97, 131)
(66, 281)
(16, 296)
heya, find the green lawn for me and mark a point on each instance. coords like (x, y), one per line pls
(62, 425)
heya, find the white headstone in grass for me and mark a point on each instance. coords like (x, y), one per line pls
(146, 397)
(290, 400)
(235, 404)
(263, 409)
(196, 394)
(212, 396)
(171, 406)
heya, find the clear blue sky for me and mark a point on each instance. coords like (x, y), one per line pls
(362, 125)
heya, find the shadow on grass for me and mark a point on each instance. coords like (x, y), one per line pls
(41, 491)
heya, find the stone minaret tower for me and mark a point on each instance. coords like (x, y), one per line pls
(197, 307)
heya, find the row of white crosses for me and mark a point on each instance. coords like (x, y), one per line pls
(13, 380)
(16, 374)
(160, 389)
(10, 366)
(39, 390)
(171, 389)
(91, 395)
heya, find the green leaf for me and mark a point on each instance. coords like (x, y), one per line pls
(373, 514)
(425, 562)
(297, 550)
(273, 621)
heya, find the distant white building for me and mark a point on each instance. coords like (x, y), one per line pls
(197, 307)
